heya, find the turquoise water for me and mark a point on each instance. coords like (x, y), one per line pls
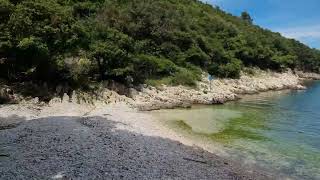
(277, 130)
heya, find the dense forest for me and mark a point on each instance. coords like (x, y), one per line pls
(137, 41)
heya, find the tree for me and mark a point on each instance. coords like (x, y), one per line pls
(246, 17)
(138, 40)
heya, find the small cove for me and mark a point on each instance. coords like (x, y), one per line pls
(276, 130)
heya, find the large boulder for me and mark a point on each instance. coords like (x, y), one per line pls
(6, 95)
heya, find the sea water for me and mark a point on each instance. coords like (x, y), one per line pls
(277, 130)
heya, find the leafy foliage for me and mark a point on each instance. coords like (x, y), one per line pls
(137, 41)
(246, 17)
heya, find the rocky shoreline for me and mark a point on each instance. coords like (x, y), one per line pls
(64, 117)
(147, 98)
(217, 91)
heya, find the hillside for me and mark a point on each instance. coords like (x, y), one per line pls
(135, 41)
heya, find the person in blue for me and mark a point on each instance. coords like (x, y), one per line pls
(210, 78)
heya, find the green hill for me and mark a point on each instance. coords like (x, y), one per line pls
(133, 41)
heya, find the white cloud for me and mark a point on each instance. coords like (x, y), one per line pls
(312, 31)
(307, 34)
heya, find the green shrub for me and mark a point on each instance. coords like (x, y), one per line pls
(197, 57)
(151, 67)
(185, 77)
(81, 69)
(249, 70)
(229, 70)
(108, 57)
(6, 8)
(181, 77)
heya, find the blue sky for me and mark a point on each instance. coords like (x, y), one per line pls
(299, 19)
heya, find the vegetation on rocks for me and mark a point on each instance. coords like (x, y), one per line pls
(135, 41)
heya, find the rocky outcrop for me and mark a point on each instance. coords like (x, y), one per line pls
(217, 91)
(7, 95)
(147, 98)
(4, 96)
(311, 76)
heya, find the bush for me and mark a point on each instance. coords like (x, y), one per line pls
(197, 57)
(183, 76)
(249, 71)
(229, 70)
(283, 62)
(108, 57)
(6, 8)
(33, 49)
(147, 67)
(80, 70)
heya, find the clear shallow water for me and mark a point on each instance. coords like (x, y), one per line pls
(278, 130)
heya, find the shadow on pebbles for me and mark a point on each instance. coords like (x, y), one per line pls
(93, 148)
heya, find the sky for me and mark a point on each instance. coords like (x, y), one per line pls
(298, 19)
